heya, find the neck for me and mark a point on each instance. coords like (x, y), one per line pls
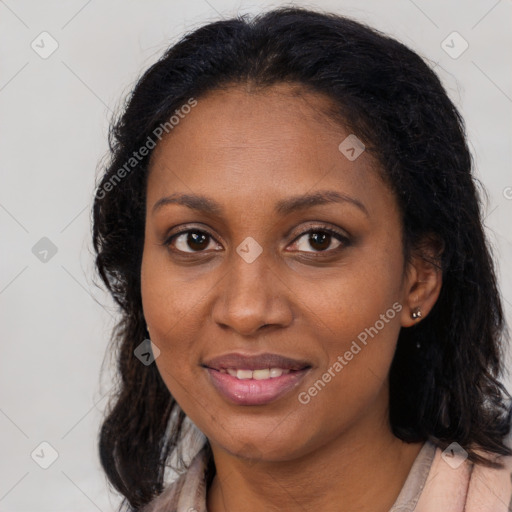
(356, 471)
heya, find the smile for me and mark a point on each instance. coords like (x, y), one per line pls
(255, 387)
(261, 374)
(255, 379)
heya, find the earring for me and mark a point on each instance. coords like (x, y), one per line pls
(416, 313)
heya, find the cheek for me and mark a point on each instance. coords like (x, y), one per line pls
(353, 384)
(174, 309)
(355, 297)
(167, 300)
(364, 345)
(168, 313)
(168, 307)
(359, 310)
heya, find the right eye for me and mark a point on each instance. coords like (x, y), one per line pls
(189, 241)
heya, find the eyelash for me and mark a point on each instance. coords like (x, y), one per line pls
(344, 240)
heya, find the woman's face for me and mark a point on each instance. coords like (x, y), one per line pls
(246, 278)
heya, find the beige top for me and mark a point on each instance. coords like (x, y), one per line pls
(435, 483)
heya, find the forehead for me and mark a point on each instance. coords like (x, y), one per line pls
(259, 142)
(241, 117)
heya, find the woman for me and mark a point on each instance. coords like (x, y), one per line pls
(289, 215)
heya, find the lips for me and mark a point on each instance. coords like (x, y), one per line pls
(255, 380)
(257, 362)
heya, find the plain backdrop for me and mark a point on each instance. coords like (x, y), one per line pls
(54, 116)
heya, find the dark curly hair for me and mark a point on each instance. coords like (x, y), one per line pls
(447, 390)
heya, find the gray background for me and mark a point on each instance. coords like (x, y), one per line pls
(54, 117)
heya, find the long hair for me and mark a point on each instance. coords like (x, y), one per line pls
(448, 389)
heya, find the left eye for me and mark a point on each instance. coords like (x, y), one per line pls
(319, 239)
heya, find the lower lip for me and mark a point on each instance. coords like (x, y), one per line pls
(252, 391)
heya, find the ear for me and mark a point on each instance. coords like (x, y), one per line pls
(423, 280)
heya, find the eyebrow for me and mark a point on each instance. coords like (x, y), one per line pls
(283, 207)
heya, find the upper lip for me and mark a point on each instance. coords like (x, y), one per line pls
(255, 362)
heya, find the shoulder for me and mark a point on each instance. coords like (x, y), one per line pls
(187, 492)
(490, 489)
(456, 484)
(167, 501)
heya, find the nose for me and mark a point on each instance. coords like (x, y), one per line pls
(252, 297)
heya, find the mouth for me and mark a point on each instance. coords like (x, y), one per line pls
(255, 380)
(259, 374)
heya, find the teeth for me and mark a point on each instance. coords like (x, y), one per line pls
(277, 372)
(244, 374)
(260, 374)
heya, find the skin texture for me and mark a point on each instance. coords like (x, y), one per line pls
(248, 149)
